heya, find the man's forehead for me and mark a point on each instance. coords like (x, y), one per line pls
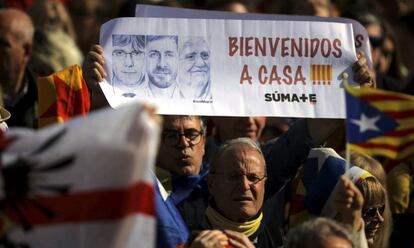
(197, 46)
(8, 21)
(126, 47)
(241, 157)
(176, 122)
(8, 27)
(163, 43)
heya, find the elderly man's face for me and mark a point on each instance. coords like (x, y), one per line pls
(182, 145)
(237, 183)
(236, 127)
(162, 62)
(14, 56)
(195, 63)
(128, 64)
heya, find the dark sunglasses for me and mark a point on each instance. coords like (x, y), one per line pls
(376, 41)
(371, 213)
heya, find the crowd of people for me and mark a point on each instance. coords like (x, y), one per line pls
(230, 181)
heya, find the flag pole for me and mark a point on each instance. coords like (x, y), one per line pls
(345, 77)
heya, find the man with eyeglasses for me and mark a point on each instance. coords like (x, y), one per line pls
(181, 152)
(128, 58)
(236, 183)
(179, 169)
(182, 145)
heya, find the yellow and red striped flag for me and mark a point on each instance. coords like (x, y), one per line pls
(380, 122)
(62, 96)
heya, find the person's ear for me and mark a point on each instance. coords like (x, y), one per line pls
(28, 51)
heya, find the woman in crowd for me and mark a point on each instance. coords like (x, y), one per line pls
(375, 204)
(371, 165)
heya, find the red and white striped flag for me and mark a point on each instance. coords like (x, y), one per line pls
(86, 183)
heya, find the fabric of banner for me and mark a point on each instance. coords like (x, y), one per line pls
(62, 96)
(380, 122)
(78, 185)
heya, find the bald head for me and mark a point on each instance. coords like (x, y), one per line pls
(16, 42)
(237, 180)
(18, 23)
(235, 146)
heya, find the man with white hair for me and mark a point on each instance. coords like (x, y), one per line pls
(17, 82)
(194, 64)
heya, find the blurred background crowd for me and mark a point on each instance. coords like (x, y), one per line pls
(65, 30)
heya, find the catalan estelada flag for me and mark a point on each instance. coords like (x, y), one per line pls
(380, 122)
(62, 96)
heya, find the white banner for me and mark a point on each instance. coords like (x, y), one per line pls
(360, 33)
(86, 183)
(229, 67)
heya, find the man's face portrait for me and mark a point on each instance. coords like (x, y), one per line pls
(14, 53)
(162, 60)
(128, 57)
(237, 182)
(195, 63)
(182, 145)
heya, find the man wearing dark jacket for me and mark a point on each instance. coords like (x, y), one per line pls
(19, 91)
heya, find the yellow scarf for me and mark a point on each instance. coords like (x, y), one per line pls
(220, 222)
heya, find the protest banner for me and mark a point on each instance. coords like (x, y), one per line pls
(80, 184)
(361, 37)
(229, 67)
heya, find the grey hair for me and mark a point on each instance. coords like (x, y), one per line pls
(137, 41)
(191, 40)
(202, 124)
(151, 38)
(234, 142)
(315, 231)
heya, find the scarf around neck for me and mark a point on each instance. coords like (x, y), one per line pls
(220, 222)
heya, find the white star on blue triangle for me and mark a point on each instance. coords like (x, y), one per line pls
(364, 121)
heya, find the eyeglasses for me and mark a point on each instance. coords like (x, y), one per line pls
(235, 178)
(172, 138)
(370, 214)
(122, 54)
